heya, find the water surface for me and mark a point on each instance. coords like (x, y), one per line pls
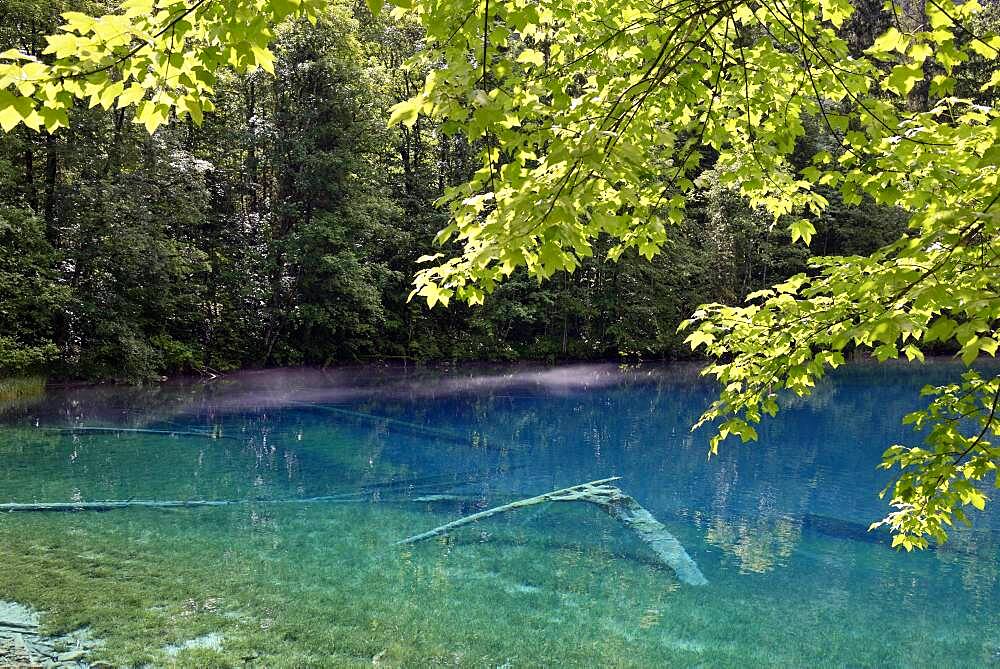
(778, 527)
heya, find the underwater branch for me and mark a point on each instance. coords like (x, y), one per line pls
(614, 502)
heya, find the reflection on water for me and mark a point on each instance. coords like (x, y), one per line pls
(791, 511)
(759, 545)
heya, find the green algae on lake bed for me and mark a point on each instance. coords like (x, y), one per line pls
(319, 586)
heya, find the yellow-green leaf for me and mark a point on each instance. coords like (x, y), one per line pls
(802, 229)
(405, 112)
(531, 57)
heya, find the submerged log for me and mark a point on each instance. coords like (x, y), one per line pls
(429, 485)
(137, 430)
(615, 503)
(111, 505)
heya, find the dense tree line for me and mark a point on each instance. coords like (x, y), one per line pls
(286, 229)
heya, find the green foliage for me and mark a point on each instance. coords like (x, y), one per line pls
(162, 56)
(30, 295)
(598, 119)
(938, 480)
(17, 357)
(933, 285)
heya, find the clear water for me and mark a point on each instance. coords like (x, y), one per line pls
(778, 528)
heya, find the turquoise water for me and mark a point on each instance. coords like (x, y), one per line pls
(778, 528)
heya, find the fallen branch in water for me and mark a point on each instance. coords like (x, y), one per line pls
(112, 505)
(136, 430)
(615, 503)
(430, 486)
(404, 426)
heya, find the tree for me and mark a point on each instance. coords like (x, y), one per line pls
(29, 294)
(595, 121)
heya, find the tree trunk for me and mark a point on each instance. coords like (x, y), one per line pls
(51, 174)
(30, 192)
(914, 19)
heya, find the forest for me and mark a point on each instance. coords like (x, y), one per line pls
(285, 229)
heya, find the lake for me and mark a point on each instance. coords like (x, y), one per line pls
(276, 579)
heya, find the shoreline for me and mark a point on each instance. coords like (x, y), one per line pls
(479, 364)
